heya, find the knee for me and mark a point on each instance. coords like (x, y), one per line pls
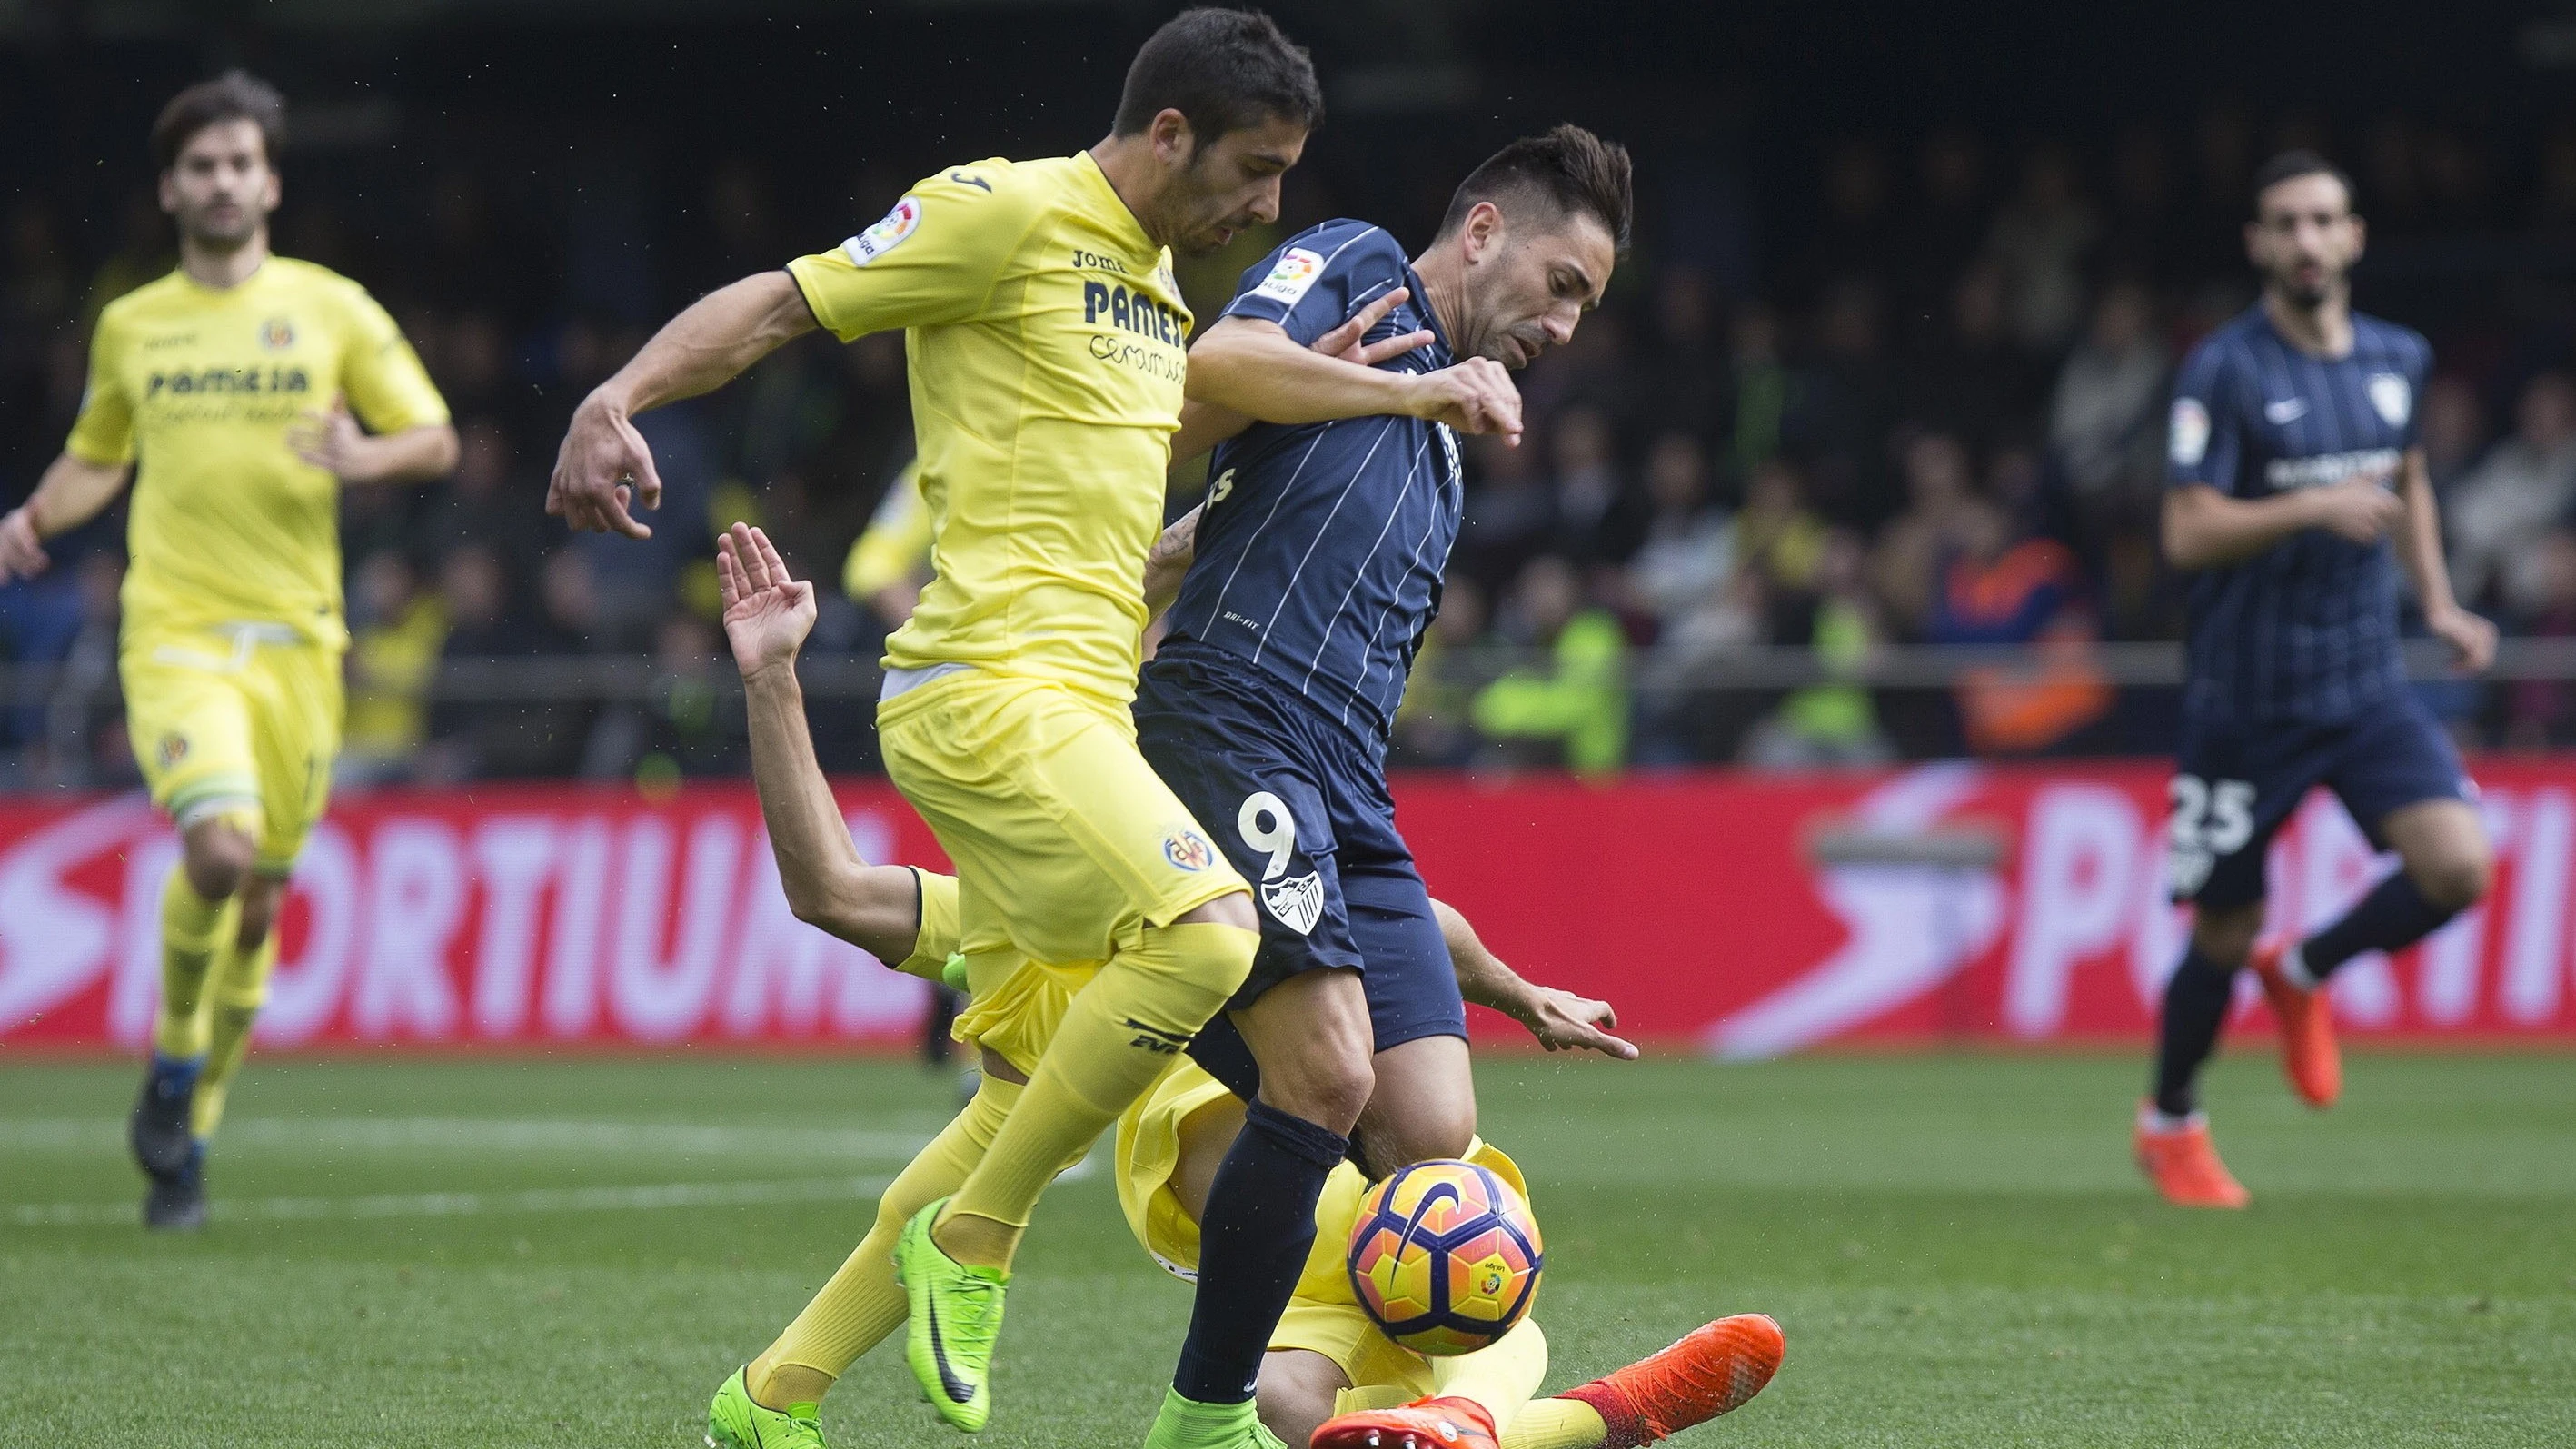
(2456, 878)
(1419, 1133)
(1328, 1083)
(217, 861)
(2226, 938)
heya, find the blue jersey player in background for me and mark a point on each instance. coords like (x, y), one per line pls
(1317, 565)
(2298, 490)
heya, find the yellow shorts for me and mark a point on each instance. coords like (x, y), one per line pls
(1067, 844)
(1323, 1316)
(242, 716)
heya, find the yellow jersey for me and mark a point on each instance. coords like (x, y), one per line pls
(199, 386)
(1046, 341)
(896, 542)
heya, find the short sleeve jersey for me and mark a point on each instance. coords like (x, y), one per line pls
(1046, 342)
(1321, 549)
(2305, 631)
(198, 386)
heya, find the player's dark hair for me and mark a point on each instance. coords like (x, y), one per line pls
(236, 95)
(2289, 166)
(1223, 70)
(1569, 170)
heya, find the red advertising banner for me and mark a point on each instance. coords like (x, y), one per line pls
(1751, 915)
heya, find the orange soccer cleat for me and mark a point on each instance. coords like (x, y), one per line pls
(1436, 1423)
(2308, 1055)
(2184, 1166)
(1714, 1368)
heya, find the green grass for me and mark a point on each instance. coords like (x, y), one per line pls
(1957, 1246)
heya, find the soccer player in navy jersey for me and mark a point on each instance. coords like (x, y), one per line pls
(2296, 482)
(1317, 568)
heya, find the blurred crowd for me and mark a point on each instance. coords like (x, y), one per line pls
(1933, 413)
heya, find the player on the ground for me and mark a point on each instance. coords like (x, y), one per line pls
(1044, 334)
(910, 916)
(241, 382)
(2295, 475)
(1317, 566)
(1331, 1377)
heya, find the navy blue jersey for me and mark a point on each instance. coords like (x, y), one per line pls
(2306, 630)
(1321, 547)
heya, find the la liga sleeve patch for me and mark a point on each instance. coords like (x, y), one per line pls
(1289, 281)
(886, 235)
(2188, 439)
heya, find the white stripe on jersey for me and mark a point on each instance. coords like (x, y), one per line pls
(1216, 610)
(1402, 492)
(1326, 527)
(1450, 483)
(1319, 271)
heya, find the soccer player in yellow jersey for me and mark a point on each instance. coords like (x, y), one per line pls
(1044, 336)
(232, 392)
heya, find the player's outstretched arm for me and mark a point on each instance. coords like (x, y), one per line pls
(2419, 549)
(2204, 528)
(1254, 367)
(1561, 1020)
(1204, 424)
(767, 615)
(604, 464)
(72, 492)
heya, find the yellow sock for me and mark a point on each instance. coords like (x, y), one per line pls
(240, 989)
(191, 929)
(863, 1303)
(1120, 1032)
(1557, 1424)
(1502, 1377)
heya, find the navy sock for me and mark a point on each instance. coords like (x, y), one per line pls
(2195, 1008)
(2393, 916)
(1260, 1220)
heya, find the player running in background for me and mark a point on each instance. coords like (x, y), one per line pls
(910, 916)
(1318, 561)
(241, 381)
(2295, 475)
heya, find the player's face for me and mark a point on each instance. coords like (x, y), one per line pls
(1231, 185)
(1532, 289)
(220, 189)
(2304, 237)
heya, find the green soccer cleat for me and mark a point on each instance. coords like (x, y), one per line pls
(956, 1316)
(735, 1422)
(1189, 1424)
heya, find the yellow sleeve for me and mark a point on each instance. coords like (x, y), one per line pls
(103, 434)
(933, 259)
(939, 932)
(896, 545)
(386, 385)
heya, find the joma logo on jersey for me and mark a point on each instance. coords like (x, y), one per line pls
(228, 379)
(1133, 311)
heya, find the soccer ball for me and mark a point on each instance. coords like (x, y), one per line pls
(1445, 1257)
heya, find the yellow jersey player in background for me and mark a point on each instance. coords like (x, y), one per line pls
(240, 382)
(1044, 337)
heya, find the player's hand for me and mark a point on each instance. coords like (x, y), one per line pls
(333, 442)
(1168, 561)
(1345, 342)
(766, 613)
(603, 466)
(22, 550)
(2357, 510)
(1565, 1022)
(1475, 396)
(2472, 639)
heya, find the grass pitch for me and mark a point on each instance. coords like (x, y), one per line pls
(464, 1253)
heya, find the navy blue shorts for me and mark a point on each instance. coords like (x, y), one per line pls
(2234, 785)
(1295, 802)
